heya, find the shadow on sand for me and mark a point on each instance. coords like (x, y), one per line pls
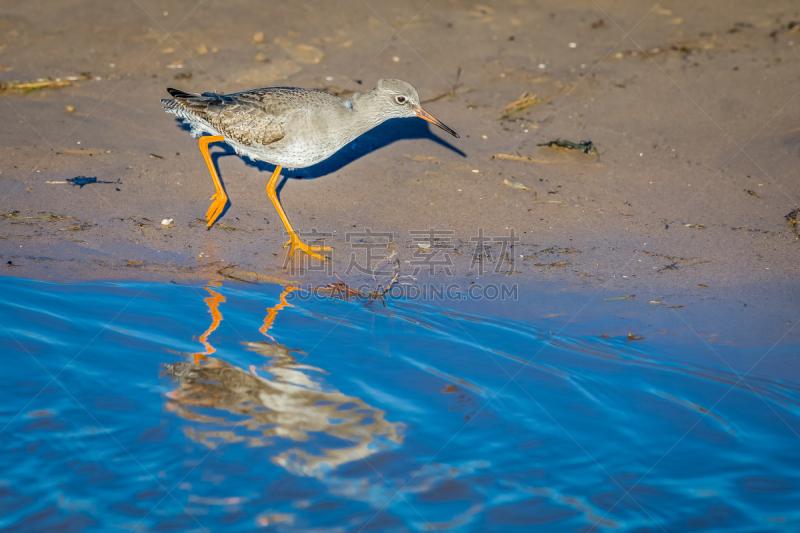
(387, 133)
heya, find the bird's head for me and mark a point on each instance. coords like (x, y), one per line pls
(400, 100)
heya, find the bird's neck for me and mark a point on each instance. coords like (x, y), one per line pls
(366, 113)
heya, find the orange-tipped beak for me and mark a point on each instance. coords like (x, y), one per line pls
(421, 113)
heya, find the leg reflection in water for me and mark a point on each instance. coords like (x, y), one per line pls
(212, 302)
(283, 399)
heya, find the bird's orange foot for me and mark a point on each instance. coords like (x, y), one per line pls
(213, 213)
(296, 244)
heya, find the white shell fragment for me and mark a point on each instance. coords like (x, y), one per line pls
(514, 184)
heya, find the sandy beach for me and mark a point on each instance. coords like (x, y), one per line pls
(692, 110)
(581, 315)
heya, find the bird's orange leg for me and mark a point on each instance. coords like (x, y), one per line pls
(294, 240)
(219, 198)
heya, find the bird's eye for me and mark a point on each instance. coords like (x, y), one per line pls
(400, 99)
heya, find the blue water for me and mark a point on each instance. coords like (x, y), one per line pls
(163, 407)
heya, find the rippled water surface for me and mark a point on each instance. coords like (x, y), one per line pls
(161, 407)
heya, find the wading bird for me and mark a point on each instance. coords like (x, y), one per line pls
(289, 127)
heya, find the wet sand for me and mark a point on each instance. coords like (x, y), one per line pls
(693, 111)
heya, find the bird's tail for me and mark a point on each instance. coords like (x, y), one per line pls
(194, 102)
(193, 108)
(176, 107)
(177, 93)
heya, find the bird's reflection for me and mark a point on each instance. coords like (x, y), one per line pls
(283, 399)
(212, 302)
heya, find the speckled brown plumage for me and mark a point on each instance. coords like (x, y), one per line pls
(251, 117)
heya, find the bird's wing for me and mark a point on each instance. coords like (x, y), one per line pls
(253, 117)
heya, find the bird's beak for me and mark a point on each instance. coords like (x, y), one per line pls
(421, 113)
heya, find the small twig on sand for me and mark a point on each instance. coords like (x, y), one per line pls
(41, 83)
(379, 292)
(525, 101)
(521, 158)
(448, 94)
(45, 217)
(340, 290)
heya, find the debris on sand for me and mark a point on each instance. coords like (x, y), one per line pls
(752, 193)
(166, 221)
(671, 266)
(41, 83)
(682, 48)
(584, 146)
(739, 26)
(556, 264)
(451, 92)
(77, 227)
(631, 297)
(226, 227)
(632, 337)
(514, 184)
(342, 291)
(792, 27)
(80, 181)
(15, 214)
(551, 250)
(521, 158)
(525, 101)
(793, 221)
